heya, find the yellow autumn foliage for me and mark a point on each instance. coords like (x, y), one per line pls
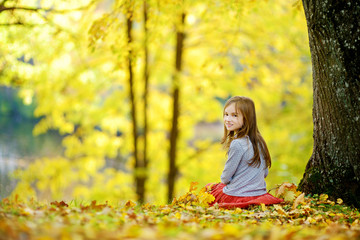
(80, 86)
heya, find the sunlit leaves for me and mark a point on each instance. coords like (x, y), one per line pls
(191, 198)
(79, 83)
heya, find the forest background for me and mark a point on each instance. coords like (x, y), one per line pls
(107, 77)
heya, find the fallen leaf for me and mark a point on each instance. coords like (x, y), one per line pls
(193, 186)
(130, 204)
(298, 200)
(59, 204)
(287, 191)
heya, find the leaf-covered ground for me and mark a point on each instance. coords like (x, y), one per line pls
(188, 217)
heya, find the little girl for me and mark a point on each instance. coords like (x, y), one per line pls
(243, 178)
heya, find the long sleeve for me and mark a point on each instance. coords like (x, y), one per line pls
(235, 154)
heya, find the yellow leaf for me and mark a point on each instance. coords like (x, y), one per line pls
(284, 186)
(323, 197)
(130, 204)
(339, 201)
(289, 196)
(356, 222)
(193, 186)
(279, 209)
(287, 191)
(238, 210)
(205, 199)
(298, 200)
(263, 208)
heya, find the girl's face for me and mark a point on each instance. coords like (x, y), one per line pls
(233, 120)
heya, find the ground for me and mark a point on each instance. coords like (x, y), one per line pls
(188, 217)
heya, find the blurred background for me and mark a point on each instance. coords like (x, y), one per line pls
(116, 100)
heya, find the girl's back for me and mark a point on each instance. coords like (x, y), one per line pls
(242, 179)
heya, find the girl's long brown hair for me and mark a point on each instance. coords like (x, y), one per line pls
(246, 107)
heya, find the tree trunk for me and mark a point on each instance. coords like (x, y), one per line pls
(173, 171)
(144, 159)
(140, 190)
(334, 36)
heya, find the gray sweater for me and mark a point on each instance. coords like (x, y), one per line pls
(241, 179)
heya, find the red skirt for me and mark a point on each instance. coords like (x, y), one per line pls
(227, 201)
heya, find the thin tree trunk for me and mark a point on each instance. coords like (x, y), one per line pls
(173, 170)
(143, 161)
(139, 190)
(334, 36)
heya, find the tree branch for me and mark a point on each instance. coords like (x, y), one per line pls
(34, 9)
(19, 24)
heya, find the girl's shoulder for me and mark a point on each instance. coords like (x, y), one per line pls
(244, 141)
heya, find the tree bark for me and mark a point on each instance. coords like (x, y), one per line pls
(174, 132)
(140, 190)
(143, 161)
(334, 37)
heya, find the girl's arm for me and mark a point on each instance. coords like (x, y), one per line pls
(235, 154)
